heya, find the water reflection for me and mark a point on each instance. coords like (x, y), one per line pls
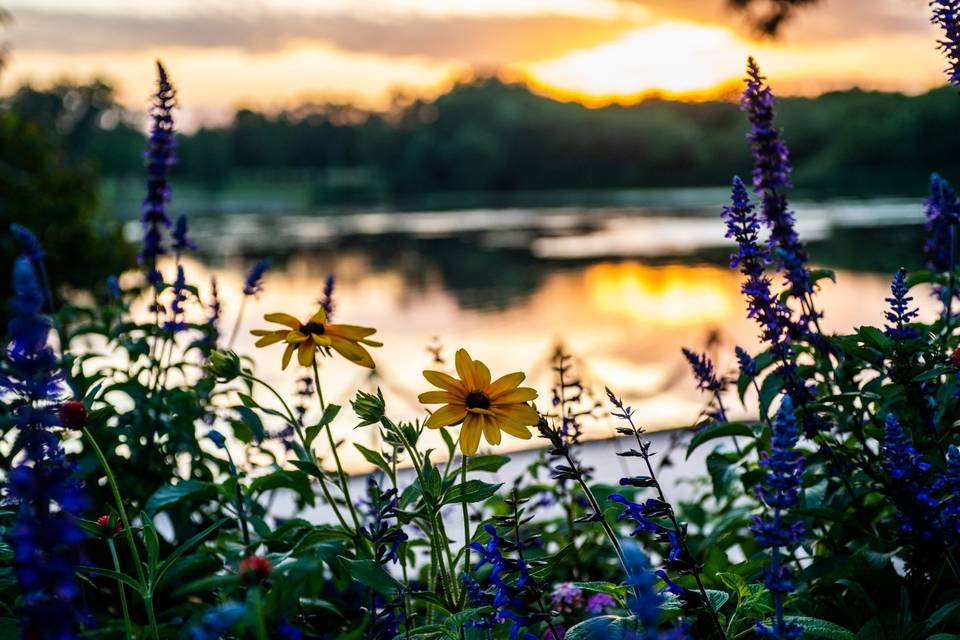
(625, 320)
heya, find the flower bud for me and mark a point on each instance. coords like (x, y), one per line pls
(368, 407)
(225, 365)
(73, 415)
(104, 522)
(254, 569)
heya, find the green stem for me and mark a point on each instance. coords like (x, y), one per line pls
(296, 427)
(466, 518)
(122, 589)
(344, 481)
(236, 324)
(127, 530)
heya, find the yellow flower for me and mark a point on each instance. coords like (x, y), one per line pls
(483, 406)
(306, 338)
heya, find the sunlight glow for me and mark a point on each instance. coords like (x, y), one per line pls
(670, 57)
(674, 294)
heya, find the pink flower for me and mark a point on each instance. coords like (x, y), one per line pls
(599, 602)
(566, 597)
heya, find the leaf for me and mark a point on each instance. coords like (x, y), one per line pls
(936, 372)
(615, 590)
(717, 598)
(297, 481)
(817, 628)
(769, 390)
(152, 542)
(820, 274)
(941, 614)
(374, 458)
(314, 430)
(603, 628)
(472, 491)
(486, 463)
(373, 575)
(171, 494)
(875, 338)
(735, 582)
(109, 573)
(183, 548)
(319, 605)
(718, 430)
(252, 420)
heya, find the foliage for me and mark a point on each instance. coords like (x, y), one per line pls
(834, 514)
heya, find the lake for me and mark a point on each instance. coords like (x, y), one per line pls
(620, 287)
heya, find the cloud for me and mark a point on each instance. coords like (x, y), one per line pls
(472, 39)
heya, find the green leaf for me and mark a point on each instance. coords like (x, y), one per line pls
(875, 338)
(373, 575)
(374, 458)
(152, 542)
(718, 430)
(319, 605)
(183, 548)
(252, 420)
(486, 463)
(603, 628)
(314, 430)
(735, 582)
(817, 628)
(936, 372)
(769, 390)
(109, 573)
(820, 274)
(615, 590)
(297, 481)
(472, 491)
(171, 494)
(717, 598)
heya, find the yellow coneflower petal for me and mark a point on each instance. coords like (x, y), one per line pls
(305, 353)
(520, 394)
(295, 337)
(445, 416)
(470, 436)
(370, 343)
(464, 365)
(349, 331)
(270, 337)
(444, 381)
(503, 384)
(519, 413)
(287, 354)
(321, 340)
(482, 375)
(320, 317)
(516, 431)
(284, 319)
(437, 397)
(490, 429)
(352, 352)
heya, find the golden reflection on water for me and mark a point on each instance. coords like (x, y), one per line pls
(625, 322)
(673, 294)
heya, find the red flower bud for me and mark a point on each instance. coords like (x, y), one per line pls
(104, 522)
(255, 569)
(955, 358)
(73, 415)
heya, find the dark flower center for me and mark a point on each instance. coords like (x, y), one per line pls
(477, 400)
(312, 327)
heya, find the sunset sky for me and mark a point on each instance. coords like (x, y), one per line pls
(272, 53)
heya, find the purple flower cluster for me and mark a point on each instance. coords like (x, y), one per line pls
(566, 598)
(645, 600)
(326, 298)
(176, 322)
(779, 491)
(507, 600)
(748, 364)
(182, 242)
(772, 316)
(906, 469)
(942, 210)
(900, 314)
(946, 14)
(253, 284)
(45, 538)
(160, 156)
(948, 482)
(771, 174)
(384, 536)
